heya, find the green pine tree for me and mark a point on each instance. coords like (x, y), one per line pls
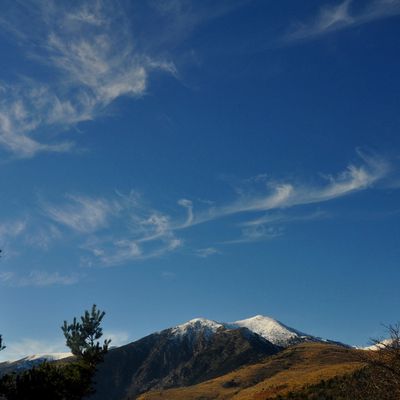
(82, 337)
(2, 347)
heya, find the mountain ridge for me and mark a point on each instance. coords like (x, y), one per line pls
(267, 327)
(187, 354)
(192, 352)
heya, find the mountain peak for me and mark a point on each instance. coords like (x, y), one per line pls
(206, 326)
(271, 330)
(260, 317)
(266, 327)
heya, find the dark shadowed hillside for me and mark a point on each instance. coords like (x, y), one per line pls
(170, 359)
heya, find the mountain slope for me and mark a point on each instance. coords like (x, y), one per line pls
(184, 355)
(290, 370)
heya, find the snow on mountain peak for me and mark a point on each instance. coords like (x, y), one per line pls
(206, 326)
(266, 327)
(379, 345)
(31, 361)
(270, 329)
(48, 356)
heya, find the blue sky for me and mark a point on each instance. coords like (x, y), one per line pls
(174, 159)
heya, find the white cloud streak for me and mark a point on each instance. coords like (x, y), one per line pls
(257, 233)
(287, 194)
(280, 218)
(82, 214)
(179, 18)
(271, 225)
(343, 15)
(43, 236)
(188, 204)
(25, 108)
(11, 229)
(124, 228)
(90, 52)
(207, 252)
(38, 279)
(110, 252)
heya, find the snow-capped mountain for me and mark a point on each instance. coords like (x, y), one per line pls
(268, 328)
(385, 343)
(192, 352)
(205, 326)
(273, 331)
(30, 361)
(48, 356)
(186, 354)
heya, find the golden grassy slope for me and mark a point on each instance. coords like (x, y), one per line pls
(289, 370)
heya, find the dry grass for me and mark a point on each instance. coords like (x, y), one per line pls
(290, 370)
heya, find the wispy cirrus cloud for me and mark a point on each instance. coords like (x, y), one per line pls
(343, 15)
(128, 245)
(179, 18)
(82, 213)
(124, 228)
(278, 196)
(116, 230)
(12, 229)
(280, 218)
(271, 225)
(37, 278)
(188, 204)
(90, 59)
(25, 108)
(43, 236)
(207, 252)
(257, 233)
(290, 194)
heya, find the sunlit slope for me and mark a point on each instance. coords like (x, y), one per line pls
(290, 370)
